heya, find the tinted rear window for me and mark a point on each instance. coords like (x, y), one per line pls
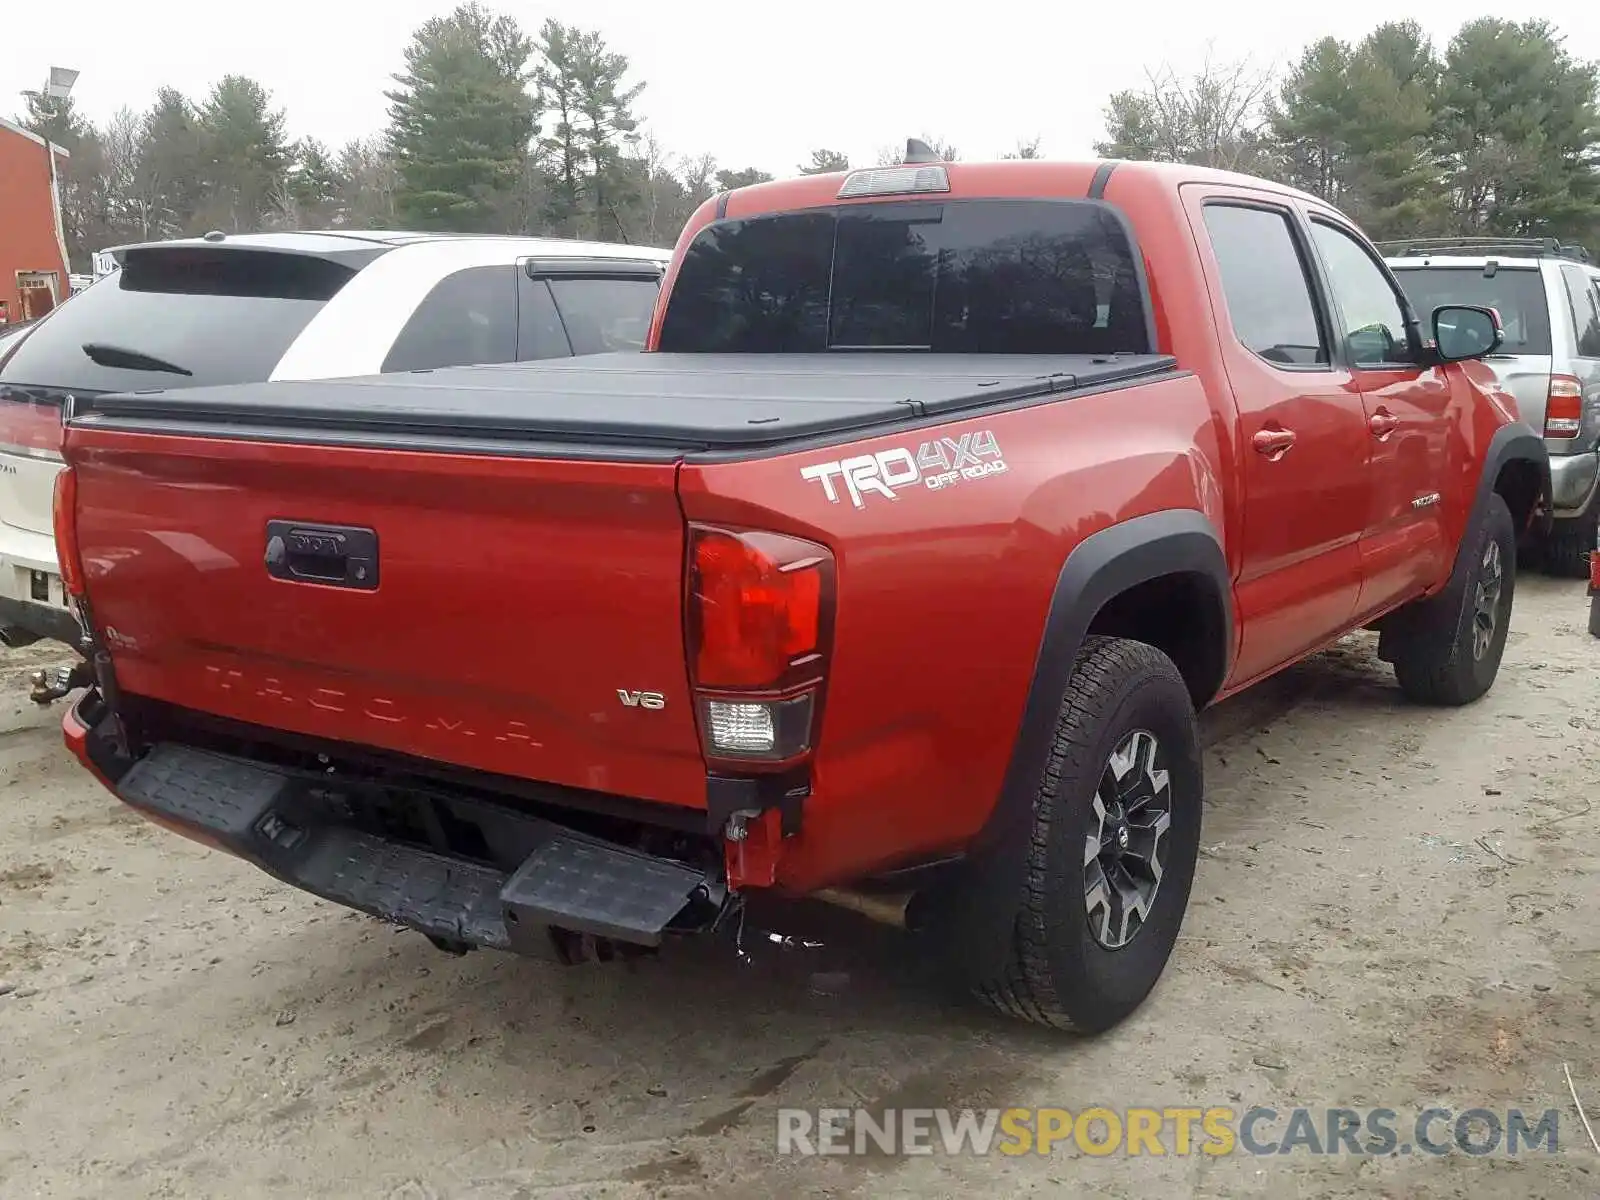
(1517, 294)
(227, 316)
(962, 277)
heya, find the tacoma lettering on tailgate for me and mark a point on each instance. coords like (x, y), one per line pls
(373, 708)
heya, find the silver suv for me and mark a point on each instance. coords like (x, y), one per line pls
(1548, 298)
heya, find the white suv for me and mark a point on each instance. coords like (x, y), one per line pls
(235, 309)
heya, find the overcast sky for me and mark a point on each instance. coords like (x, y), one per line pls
(753, 84)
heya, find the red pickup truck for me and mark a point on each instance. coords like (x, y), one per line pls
(894, 574)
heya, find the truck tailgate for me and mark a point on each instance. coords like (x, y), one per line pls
(514, 615)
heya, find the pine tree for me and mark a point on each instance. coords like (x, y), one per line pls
(825, 162)
(246, 155)
(54, 118)
(1354, 126)
(314, 186)
(57, 120)
(461, 122)
(1515, 131)
(607, 127)
(170, 175)
(560, 147)
(727, 181)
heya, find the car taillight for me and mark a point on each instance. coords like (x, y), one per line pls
(64, 509)
(1563, 411)
(760, 614)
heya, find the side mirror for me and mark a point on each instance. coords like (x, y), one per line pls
(1464, 331)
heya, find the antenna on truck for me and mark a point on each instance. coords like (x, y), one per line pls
(918, 151)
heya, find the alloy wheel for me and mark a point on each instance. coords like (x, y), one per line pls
(1124, 851)
(1486, 600)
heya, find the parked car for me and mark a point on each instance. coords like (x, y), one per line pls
(240, 309)
(893, 576)
(1548, 298)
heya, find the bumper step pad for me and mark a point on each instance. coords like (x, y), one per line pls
(569, 881)
(590, 887)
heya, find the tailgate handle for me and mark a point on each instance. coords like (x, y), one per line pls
(332, 555)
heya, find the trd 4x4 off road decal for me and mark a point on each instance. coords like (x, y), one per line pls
(934, 465)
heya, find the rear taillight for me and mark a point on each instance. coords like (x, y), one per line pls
(64, 510)
(1563, 410)
(760, 613)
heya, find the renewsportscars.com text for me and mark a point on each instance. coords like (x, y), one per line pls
(1178, 1131)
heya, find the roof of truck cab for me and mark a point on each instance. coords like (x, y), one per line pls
(1011, 178)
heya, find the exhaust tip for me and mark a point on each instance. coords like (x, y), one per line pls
(900, 910)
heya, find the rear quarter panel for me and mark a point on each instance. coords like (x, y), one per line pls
(942, 600)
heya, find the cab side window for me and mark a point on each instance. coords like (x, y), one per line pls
(1372, 323)
(469, 317)
(1265, 283)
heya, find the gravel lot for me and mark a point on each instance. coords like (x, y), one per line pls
(1395, 907)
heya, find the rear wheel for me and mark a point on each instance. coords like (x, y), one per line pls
(1115, 836)
(1449, 653)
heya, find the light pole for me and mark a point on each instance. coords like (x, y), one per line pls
(58, 86)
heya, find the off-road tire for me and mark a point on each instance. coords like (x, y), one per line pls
(1435, 660)
(1057, 973)
(1571, 541)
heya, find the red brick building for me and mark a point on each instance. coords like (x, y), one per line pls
(33, 249)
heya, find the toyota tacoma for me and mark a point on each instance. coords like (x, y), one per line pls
(892, 574)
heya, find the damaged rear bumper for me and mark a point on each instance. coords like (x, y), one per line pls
(283, 824)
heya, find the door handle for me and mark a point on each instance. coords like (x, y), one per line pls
(333, 555)
(1274, 443)
(1383, 423)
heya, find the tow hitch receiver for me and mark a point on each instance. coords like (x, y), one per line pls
(46, 687)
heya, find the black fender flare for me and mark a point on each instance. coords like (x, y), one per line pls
(1515, 442)
(1101, 567)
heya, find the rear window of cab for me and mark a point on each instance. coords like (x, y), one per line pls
(953, 276)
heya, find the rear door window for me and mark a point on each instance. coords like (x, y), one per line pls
(469, 317)
(176, 317)
(962, 277)
(602, 315)
(1266, 284)
(1516, 293)
(1585, 316)
(539, 330)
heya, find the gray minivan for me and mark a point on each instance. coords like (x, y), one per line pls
(1548, 298)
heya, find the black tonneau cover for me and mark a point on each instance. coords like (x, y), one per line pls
(662, 402)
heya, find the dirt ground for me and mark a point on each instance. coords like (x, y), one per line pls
(1396, 907)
